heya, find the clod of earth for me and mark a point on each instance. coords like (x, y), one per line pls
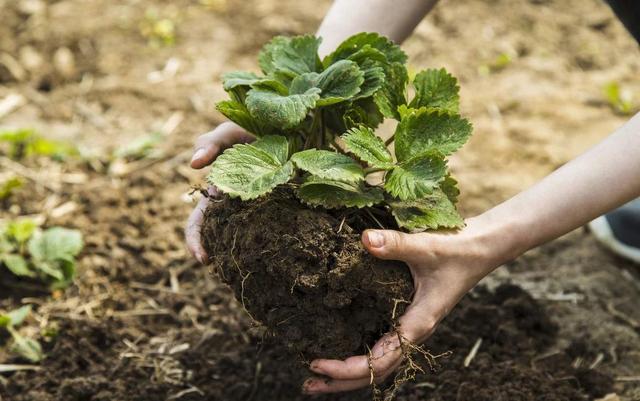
(304, 274)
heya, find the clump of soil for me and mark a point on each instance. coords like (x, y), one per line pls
(304, 274)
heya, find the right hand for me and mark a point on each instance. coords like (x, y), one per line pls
(207, 147)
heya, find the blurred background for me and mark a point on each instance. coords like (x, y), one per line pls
(100, 102)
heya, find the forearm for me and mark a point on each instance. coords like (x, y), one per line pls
(603, 178)
(394, 19)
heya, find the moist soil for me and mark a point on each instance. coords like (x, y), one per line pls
(304, 274)
(144, 321)
(513, 363)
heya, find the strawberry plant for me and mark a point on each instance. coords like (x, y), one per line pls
(286, 238)
(315, 123)
(27, 348)
(48, 255)
(22, 143)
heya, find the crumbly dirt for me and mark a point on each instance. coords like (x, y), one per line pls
(304, 274)
(144, 321)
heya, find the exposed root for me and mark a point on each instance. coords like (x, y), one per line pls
(374, 218)
(395, 307)
(244, 277)
(409, 369)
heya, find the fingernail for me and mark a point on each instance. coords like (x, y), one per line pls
(314, 367)
(198, 155)
(376, 239)
(306, 386)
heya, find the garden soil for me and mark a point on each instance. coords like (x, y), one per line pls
(304, 274)
(144, 321)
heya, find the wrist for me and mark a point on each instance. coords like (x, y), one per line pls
(498, 239)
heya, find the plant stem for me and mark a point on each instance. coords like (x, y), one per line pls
(370, 170)
(313, 139)
(390, 140)
(320, 133)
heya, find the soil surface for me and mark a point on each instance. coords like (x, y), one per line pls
(144, 321)
(304, 274)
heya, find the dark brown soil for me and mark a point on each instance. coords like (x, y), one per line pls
(89, 362)
(145, 322)
(304, 274)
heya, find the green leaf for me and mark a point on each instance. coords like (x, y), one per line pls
(424, 130)
(290, 56)
(21, 230)
(416, 177)
(344, 116)
(248, 171)
(276, 146)
(55, 243)
(237, 83)
(234, 79)
(17, 265)
(67, 267)
(51, 268)
(26, 347)
(281, 111)
(436, 89)
(333, 194)
(8, 186)
(368, 147)
(392, 93)
(362, 112)
(373, 63)
(368, 54)
(340, 82)
(238, 113)
(328, 165)
(6, 246)
(372, 52)
(17, 141)
(57, 150)
(450, 188)
(374, 78)
(432, 212)
(15, 317)
(357, 42)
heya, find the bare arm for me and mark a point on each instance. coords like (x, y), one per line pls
(603, 178)
(391, 18)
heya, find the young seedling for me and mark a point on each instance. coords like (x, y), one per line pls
(315, 124)
(21, 143)
(48, 255)
(27, 348)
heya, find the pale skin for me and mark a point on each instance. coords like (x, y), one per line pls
(445, 266)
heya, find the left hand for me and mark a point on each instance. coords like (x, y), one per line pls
(444, 266)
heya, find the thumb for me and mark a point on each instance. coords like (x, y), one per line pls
(389, 244)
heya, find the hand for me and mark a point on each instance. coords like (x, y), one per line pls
(206, 149)
(444, 266)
